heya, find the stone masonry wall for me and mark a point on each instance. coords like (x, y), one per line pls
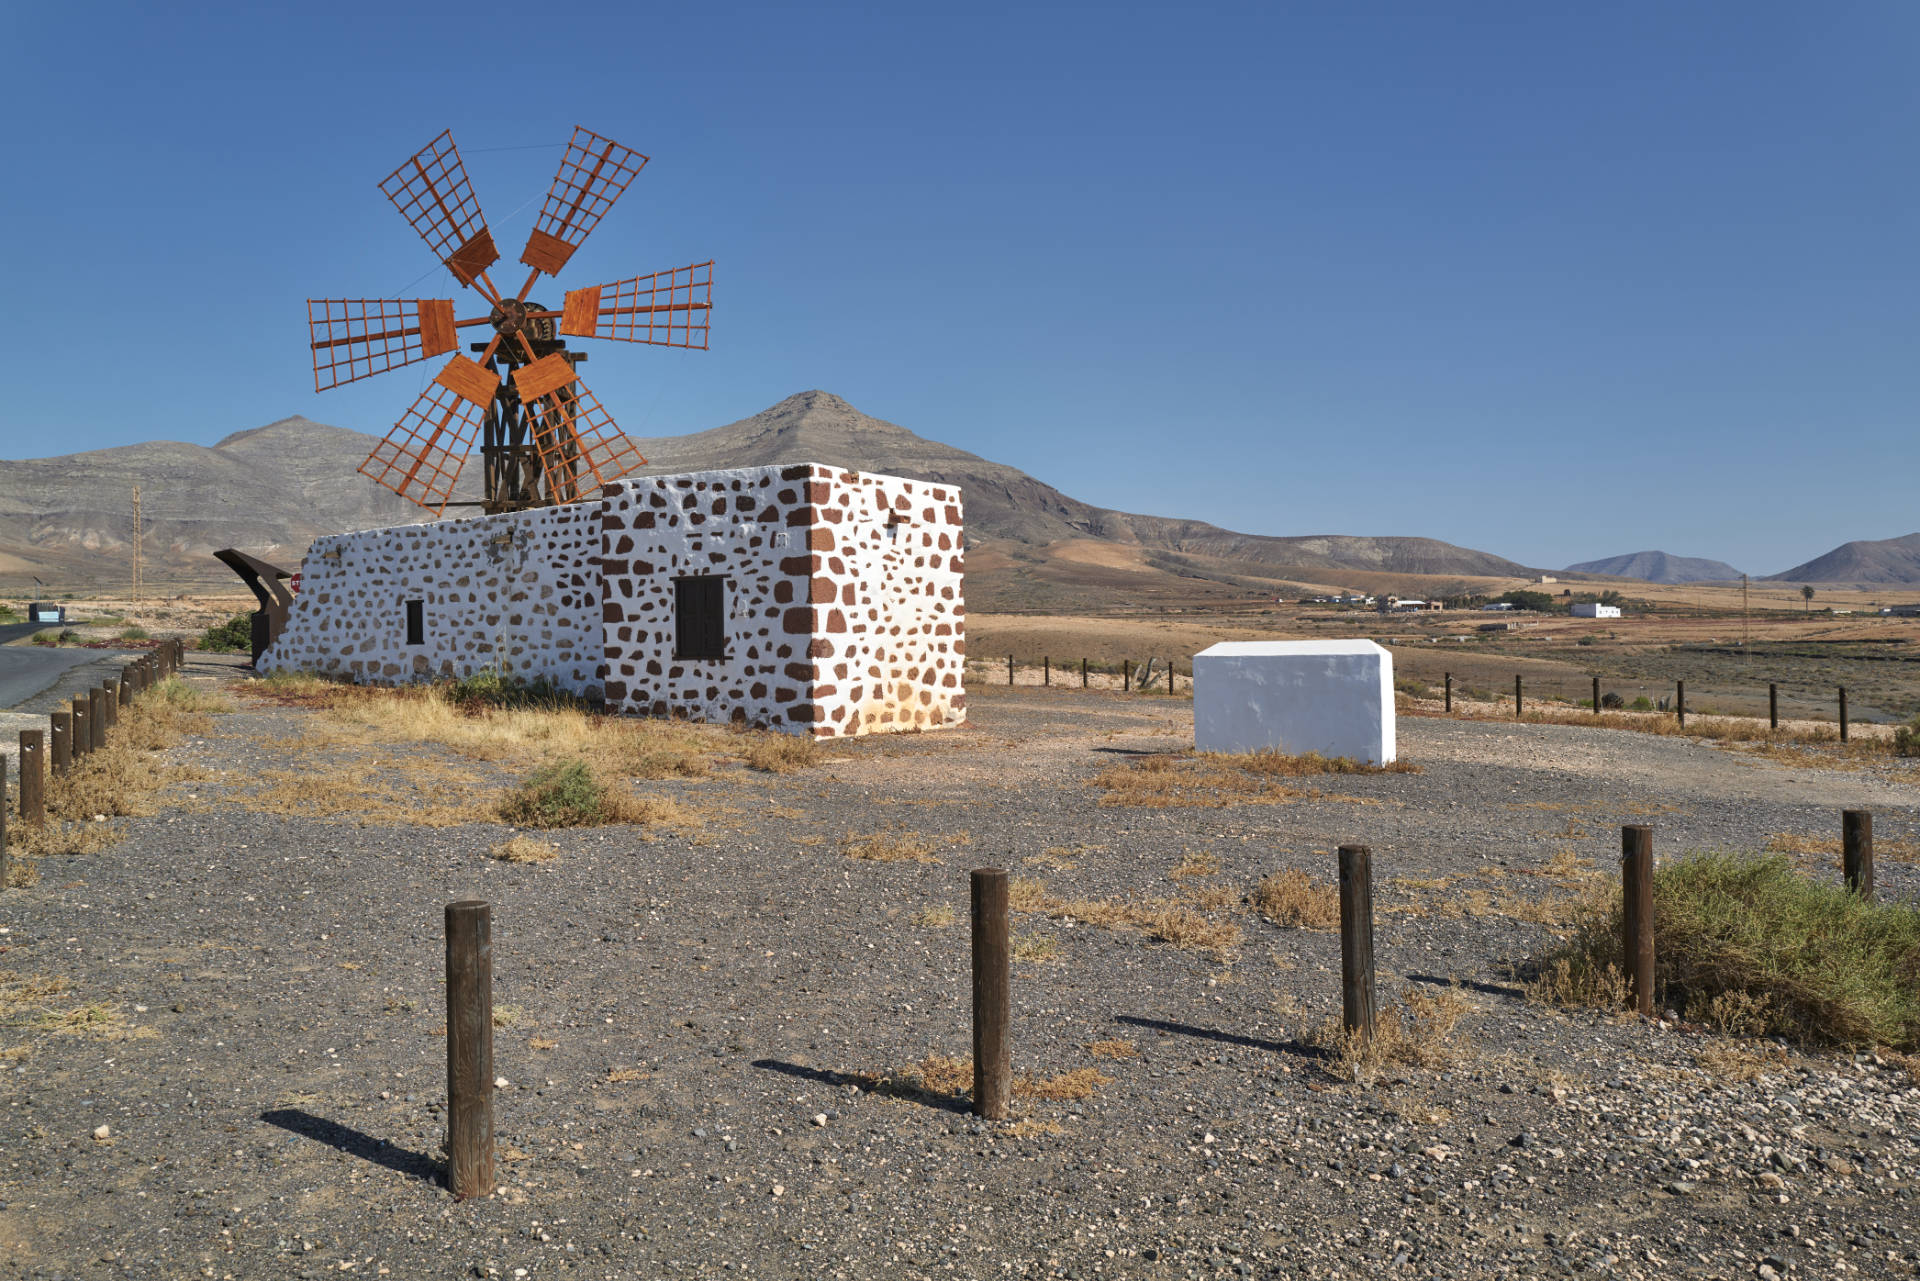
(518, 592)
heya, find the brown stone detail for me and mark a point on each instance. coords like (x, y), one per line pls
(849, 595)
(820, 591)
(643, 520)
(794, 473)
(820, 647)
(610, 613)
(819, 492)
(758, 691)
(782, 694)
(797, 621)
(825, 691)
(783, 591)
(616, 691)
(799, 564)
(799, 671)
(836, 621)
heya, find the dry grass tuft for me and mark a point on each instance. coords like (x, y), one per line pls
(888, 846)
(1033, 947)
(623, 1075)
(1416, 1033)
(1114, 1049)
(1080, 1083)
(1055, 858)
(1185, 781)
(1194, 865)
(524, 849)
(1740, 1060)
(774, 753)
(569, 794)
(1271, 764)
(1892, 849)
(935, 918)
(401, 791)
(22, 874)
(1181, 922)
(1026, 894)
(1292, 900)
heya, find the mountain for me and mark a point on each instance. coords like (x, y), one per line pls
(1889, 560)
(272, 490)
(1658, 567)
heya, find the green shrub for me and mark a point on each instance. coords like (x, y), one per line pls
(1906, 738)
(564, 794)
(235, 636)
(1588, 639)
(1640, 704)
(488, 688)
(1794, 957)
(53, 636)
(133, 634)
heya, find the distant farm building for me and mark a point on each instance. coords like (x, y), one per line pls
(1594, 609)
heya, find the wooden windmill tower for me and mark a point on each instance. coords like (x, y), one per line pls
(544, 438)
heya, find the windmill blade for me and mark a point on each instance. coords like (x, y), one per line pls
(580, 446)
(667, 309)
(421, 457)
(591, 177)
(432, 193)
(355, 338)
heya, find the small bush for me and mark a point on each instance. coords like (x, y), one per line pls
(235, 636)
(891, 846)
(782, 753)
(1746, 943)
(1588, 640)
(133, 634)
(524, 849)
(1612, 701)
(1640, 704)
(566, 794)
(1292, 900)
(487, 688)
(1906, 738)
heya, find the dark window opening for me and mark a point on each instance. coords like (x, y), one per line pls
(416, 622)
(700, 617)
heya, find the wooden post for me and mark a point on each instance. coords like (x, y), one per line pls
(60, 746)
(469, 1049)
(1173, 681)
(1356, 940)
(124, 688)
(1596, 696)
(1519, 705)
(992, 995)
(82, 735)
(1843, 713)
(96, 719)
(1083, 673)
(1126, 676)
(1009, 669)
(1449, 691)
(1856, 850)
(33, 777)
(1680, 701)
(1773, 706)
(1636, 884)
(3, 823)
(109, 704)
(1046, 669)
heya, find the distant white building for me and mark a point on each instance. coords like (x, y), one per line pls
(1594, 609)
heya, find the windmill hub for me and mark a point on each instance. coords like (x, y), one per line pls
(509, 317)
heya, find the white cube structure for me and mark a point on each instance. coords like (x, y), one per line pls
(1334, 697)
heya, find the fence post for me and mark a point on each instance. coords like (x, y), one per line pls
(1046, 669)
(1680, 701)
(124, 688)
(1636, 885)
(3, 823)
(469, 1049)
(60, 745)
(1083, 673)
(1519, 706)
(1173, 678)
(1126, 676)
(1856, 850)
(109, 704)
(33, 777)
(1773, 706)
(1009, 669)
(992, 995)
(1356, 940)
(1843, 713)
(1449, 691)
(96, 720)
(1596, 696)
(82, 733)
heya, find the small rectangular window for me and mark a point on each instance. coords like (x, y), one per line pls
(416, 622)
(700, 617)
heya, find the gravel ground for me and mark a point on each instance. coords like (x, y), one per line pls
(686, 1013)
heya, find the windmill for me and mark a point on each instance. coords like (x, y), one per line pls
(544, 438)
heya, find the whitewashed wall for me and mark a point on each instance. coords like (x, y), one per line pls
(517, 592)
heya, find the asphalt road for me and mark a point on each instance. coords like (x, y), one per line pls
(25, 670)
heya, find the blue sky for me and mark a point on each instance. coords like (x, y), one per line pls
(1553, 280)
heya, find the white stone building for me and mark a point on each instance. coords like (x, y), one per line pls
(803, 598)
(1593, 609)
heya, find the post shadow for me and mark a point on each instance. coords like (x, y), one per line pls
(1292, 1045)
(959, 1103)
(355, 1143)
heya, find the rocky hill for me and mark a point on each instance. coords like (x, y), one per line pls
(272, 489)
(1659, 567)
(1861, 563)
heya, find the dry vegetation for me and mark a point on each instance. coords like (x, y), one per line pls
(888, 846)
(1185, 780)
(524, 849)
(1291, 899)
(1891, 848)
(1418, 1032)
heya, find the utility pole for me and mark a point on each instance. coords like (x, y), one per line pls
(1743, 615)
(136, 542)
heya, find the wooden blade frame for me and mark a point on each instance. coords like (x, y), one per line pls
(577, 439)
(591, 177)
(421, 457)
(667, 309)
(355, 338)
(432, 193)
